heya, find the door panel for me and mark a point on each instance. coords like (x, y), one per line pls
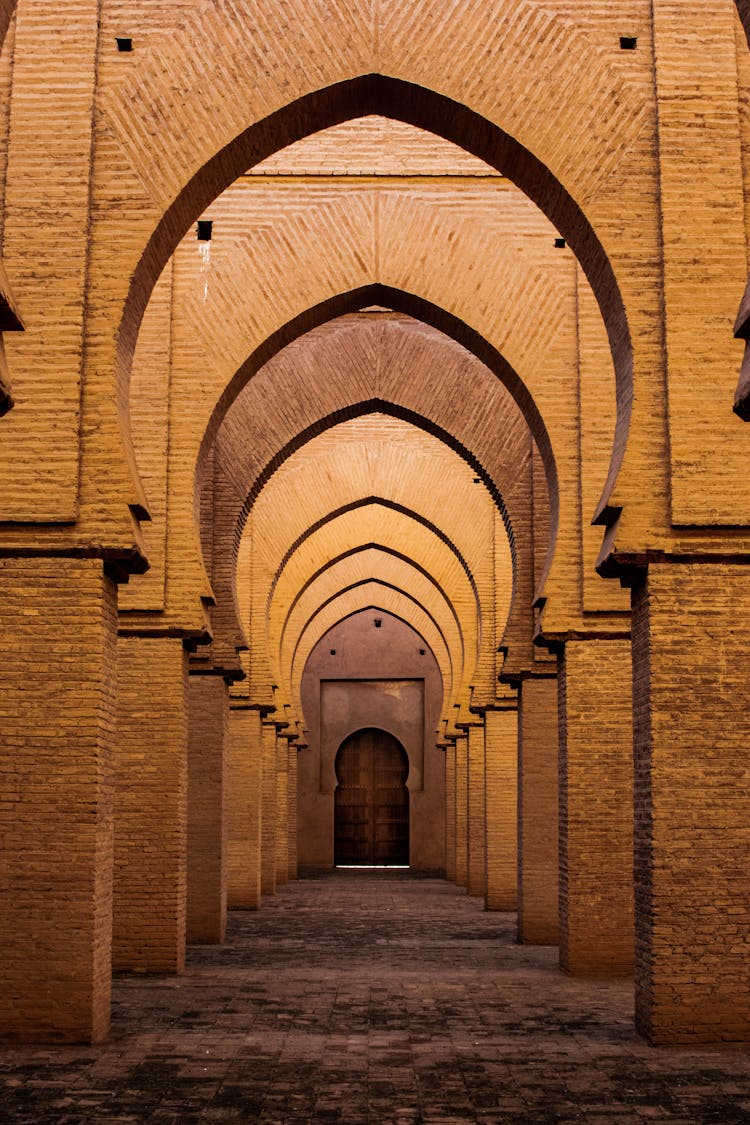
(372, 801)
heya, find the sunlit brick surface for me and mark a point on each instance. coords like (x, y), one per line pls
(151, 773)
(207, 808)
(537, 812)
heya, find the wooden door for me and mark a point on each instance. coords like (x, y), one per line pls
(372, 801)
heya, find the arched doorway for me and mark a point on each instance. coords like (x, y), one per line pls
(371, 821)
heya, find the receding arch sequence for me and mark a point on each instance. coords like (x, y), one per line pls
(445, 570)
(391, 569)
(402, 603)
(426, 109)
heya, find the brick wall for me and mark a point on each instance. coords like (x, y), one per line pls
(151, 763)
(450, 812)
(244, 797)
(501, 796)
(476, 876)
(462, 808)
(57, 717)
(207, 823)
(268, 811)
(291, 811)
(691, 642)
(537, 812)
(282, 811)
(596, 807)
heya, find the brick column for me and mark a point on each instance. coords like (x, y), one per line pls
(57, 709)
(596, 807)
(537, 811)
(244, 798)
(476, 882)
(151, 812)
(501, 796)
(691, 661)
(207, 830)
(462, 811)
(282, 811)
(40, 465)
(450, 812)
(292, 809)
(268, 811)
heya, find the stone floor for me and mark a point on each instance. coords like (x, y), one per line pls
(371, 998)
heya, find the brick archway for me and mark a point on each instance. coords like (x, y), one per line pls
(427, 109)
(251, 472)
(415, 105)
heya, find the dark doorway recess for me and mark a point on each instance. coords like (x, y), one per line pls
(371, 823)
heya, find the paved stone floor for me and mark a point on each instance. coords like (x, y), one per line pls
(371, 998)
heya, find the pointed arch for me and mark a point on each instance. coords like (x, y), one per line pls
(426, 109)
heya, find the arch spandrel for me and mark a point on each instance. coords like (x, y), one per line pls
(241, 313)
(395, 528)
(382, 456)
(548, 352)
(425, 374)
(344, 537)
(198, 360)
(567, 46)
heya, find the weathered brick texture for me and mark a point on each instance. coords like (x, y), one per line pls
(244, 797)
(596, 807)
(151, 764)
(501, 796)
(401, 468)
(691, 642)
(291, 812)
(282, 811)
(207, 824)
(268, 811)
(57, 718)
(39, 453)
(476, 876)
(462, 808)
(700, 290)
(450, 812)
(537, 811)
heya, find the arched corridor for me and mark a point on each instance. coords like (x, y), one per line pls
(377, 366)
(371, 998)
